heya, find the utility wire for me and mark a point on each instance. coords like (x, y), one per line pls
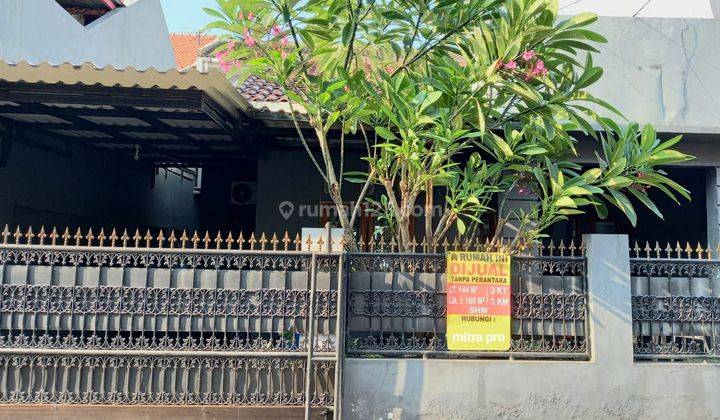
(641, 8)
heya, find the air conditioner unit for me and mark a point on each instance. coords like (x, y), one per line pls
(242, 193)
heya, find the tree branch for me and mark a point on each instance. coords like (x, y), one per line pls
(305, 144)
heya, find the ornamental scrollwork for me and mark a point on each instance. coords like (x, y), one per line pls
(158, 380)
(403, 311)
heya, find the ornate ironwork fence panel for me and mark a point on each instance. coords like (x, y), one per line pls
(396, 307)
(93, 324)
(168, 380)
(675, 308)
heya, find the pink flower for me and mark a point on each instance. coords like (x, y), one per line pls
(251, 16)
(220, 56)
(225, 66)
(283, 54)
(231, 46)
(528, 55)
(539, 69)
(241, 15)
(249, 40)
(284, 41)
(276, 31)
(511, 65)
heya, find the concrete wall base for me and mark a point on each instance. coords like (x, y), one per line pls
(610, 385)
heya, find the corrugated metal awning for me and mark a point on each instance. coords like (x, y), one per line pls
(181, 118)
(213, 83)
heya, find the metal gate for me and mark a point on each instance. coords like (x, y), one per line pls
(174, 319)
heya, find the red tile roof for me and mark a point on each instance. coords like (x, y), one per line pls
(256, 89)
(187, 47)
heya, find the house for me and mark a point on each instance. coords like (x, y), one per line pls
(103, 131)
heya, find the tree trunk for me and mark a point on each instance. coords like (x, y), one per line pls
(428, 215)
(348, 232)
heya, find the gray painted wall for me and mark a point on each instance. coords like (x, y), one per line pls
(289, 175)
(40, 30)
(662, 71)
(611, 385)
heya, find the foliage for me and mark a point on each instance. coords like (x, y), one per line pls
(472, 99)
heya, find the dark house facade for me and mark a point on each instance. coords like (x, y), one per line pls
(139, 148)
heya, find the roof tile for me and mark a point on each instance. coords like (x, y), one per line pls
(256, 89)
(187, 47)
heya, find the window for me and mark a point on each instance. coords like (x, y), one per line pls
(87, 11)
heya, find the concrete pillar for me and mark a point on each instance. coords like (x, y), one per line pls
(608, 280)
(715, 5)
(712, 203)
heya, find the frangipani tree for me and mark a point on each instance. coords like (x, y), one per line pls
(472, 99)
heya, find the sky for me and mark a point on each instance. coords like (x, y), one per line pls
(186, 15)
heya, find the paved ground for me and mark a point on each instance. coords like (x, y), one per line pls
(73, 412)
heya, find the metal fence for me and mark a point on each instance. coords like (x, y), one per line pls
(397, 306)
(122, 320)
(675, 303)
(186, 319)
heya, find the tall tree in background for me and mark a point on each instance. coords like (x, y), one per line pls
(472, 98)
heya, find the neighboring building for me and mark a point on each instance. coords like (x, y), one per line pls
(188, 49)
(102, 32)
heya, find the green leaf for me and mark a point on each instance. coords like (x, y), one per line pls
(460, 226)
(502, 145)
(669, 143)
(589, 77)
(665, 157)
(646, 201)
(577, 191)
(617, 182)
(214, 13)
(568, 212)
(565, 202)
(622, 202)
(331, 120)
(648, 137)
(481, 117)
(582, 19)
(385, 133)
(592, 175)
(431, 98)
(601, 210)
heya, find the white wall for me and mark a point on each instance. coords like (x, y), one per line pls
(40, 30)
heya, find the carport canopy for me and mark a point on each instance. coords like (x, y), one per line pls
(170, 118)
